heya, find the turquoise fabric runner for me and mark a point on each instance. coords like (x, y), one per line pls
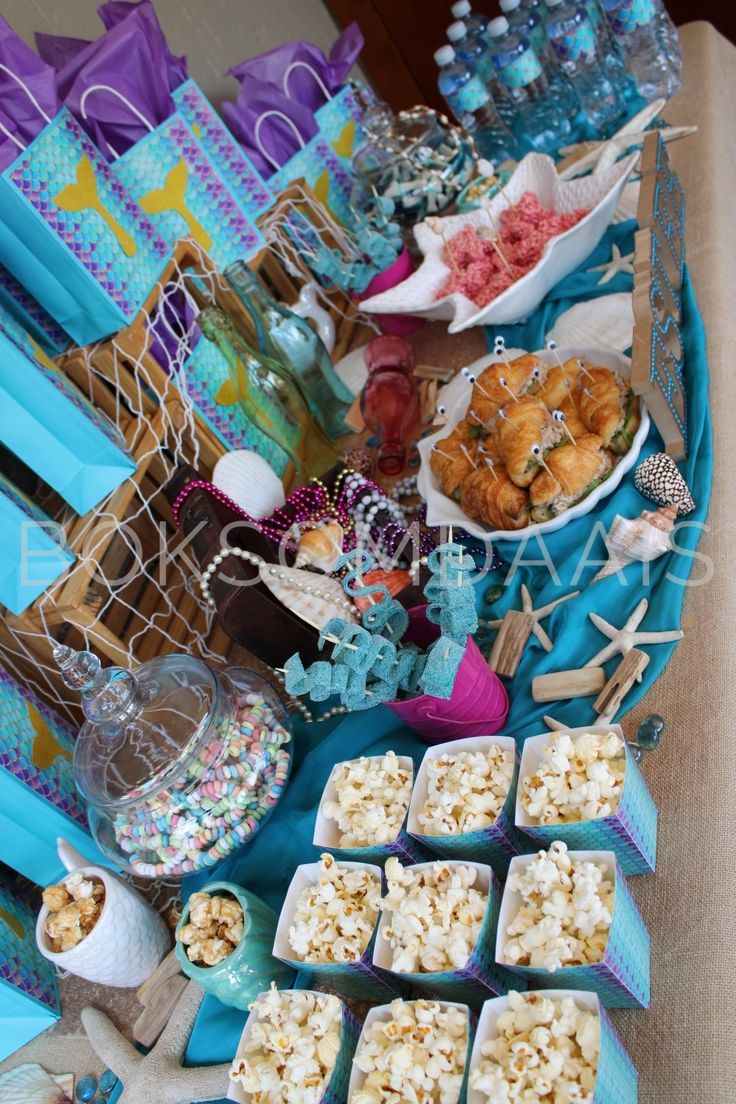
(267, 864)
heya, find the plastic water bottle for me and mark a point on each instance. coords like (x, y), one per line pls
(530, 24)
(636, 27)
(475, 22)
(668, 35)
(470, 102)
(474, 49)
(545, 123)
(607, 44)
(574, 41)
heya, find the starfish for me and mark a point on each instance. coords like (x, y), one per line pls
(623, 640)
(618, 263)
(159, 1074)
(538, 615)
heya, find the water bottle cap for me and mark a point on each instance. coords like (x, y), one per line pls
(509, 5)
(461, 9)
(444, 55)
(457, 31)
(498, 26)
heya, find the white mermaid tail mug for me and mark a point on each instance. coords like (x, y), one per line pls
(126, 944)
(307, 306)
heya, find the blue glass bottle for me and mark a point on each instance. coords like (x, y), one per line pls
(470, 102)
(474, 49)
(545, 123)
(574, 41)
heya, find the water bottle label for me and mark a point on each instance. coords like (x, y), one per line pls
(521, 70)
(576, 44)
(630, 14)
(469, 98)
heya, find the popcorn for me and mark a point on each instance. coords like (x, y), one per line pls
(436, 916)
(74, 909)
(545, 1049)
(417, 1055)
(292, 1048)
(578, 778)
(334, 919)
(566, 914)
(466, 790)
(372, 798)
(214, 929)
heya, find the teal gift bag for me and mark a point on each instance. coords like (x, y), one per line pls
(38, 799)
(29, 999)
(46, 421)
(33, 554)
(29, 313)
(172, 178)
(73, 236)
(316, 163)
(251, 192)
(339, 116)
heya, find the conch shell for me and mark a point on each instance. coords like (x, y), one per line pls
(321, 547)
(644, 539)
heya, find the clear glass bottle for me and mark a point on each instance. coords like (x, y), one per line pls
(286, 337)
(271, 398)
(180, 763)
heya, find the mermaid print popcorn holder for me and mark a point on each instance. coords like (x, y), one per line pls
(621, 977)
(497, 843)
(631, 829)
(480, 977)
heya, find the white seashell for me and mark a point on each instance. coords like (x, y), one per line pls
(31, 1084)
(288, 584)
(644, 539)
(607, 322)
(629, 202)
(250, 481)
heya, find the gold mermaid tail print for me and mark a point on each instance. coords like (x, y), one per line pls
(83, 196)
(46, 747)
(343, 146)
(172, 197)
(13, 923)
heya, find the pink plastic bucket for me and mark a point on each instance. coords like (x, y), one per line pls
(400, 324)
(479, 703)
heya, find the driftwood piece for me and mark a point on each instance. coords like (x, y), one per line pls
(629, 671)
(559, 685)
(509, 644)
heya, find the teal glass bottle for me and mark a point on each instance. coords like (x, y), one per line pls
(270, 397)
(286, 337)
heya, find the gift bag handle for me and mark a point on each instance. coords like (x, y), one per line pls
(257, 134)
(305, 65)
(108, 88)
(22, 84)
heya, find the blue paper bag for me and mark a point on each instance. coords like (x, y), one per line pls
(29, 999)
(46, 421)
(73, 236)
(19, 302)
(33, 553)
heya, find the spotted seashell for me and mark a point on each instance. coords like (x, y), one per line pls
(659, 478)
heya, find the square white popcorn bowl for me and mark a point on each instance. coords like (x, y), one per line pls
(480, 977)
(327, 834)
(359, 980)
(630, 831)
(622, 977)
(337, 1084)
(498, 842)
(616, 1079)
(382, 1014)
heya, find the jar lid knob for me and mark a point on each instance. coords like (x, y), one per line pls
(108, 695)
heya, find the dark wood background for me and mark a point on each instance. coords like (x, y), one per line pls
(401, 37)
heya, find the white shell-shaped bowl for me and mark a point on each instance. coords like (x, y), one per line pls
(250, 481)
(536, 173)
(442, 510)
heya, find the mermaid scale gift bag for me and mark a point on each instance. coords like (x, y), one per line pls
(339, 116)
(175, 183)
(72, 235)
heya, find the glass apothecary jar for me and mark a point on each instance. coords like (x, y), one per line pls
(180, 762)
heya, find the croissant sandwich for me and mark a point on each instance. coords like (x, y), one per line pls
(452, 460)
(525, 432)
(609, 408)
(573, 471)
(489, 496)
(500, 383)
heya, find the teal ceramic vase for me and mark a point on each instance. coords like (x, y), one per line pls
(250, 969)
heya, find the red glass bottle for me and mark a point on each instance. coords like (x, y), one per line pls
(389, 401)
